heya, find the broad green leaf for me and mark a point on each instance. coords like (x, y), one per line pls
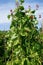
(8, 16)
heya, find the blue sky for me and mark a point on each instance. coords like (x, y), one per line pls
(6, 5)
(6, 1)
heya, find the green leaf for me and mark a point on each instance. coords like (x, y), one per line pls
(25, 62)
(22, 1)
(8, 16)
(21, 8)
(33, 11)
